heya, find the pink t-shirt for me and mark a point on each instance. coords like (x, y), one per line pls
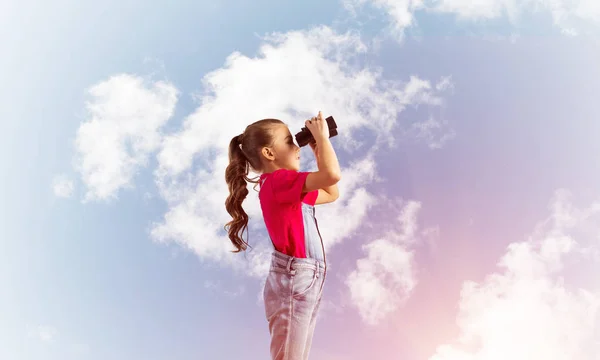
(281, 201)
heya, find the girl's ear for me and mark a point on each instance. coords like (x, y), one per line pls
(267, 152)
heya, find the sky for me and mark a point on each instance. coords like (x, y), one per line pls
(468, 223)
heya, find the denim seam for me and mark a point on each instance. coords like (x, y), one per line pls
(291, 312)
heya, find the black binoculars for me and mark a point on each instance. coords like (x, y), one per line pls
(305, 136)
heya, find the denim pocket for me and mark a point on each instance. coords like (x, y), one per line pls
(303, 280)
(276, 293)
(278, 282)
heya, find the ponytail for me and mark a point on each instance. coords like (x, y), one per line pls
(235, 176)
(244, 154)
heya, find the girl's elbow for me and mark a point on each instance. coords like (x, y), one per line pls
(336, 177)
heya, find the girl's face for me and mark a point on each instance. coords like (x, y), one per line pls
(287, 153)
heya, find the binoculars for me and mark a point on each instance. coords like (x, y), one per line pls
(305, 136)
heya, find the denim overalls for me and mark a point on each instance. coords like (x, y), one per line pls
(292, 294)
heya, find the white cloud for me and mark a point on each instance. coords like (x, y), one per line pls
(125, 117)
(587, 9)
(481, 9)
(527, 310)
(568, 15)
(444, 84)
(434, 132)
(295, 75)
(44, 333)
(62, 186)
(402, 11)
(342, 218)
(385, 278)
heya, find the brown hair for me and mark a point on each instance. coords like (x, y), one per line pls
(244, 154)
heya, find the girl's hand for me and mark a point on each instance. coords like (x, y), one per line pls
(318, 127)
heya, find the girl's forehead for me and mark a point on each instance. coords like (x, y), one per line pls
(283, 131)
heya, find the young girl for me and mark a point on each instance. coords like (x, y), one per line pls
(293, 289)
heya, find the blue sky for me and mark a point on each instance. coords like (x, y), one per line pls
(498, 117)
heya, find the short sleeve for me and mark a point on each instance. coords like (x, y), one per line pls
(311, 197)
(287, 185)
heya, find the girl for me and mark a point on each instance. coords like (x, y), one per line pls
(293, 289)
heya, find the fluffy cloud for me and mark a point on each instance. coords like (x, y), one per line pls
(568, 15)
(125, 115)
(295, 75)
(62, 186)
(527, 310)
(385, 278)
